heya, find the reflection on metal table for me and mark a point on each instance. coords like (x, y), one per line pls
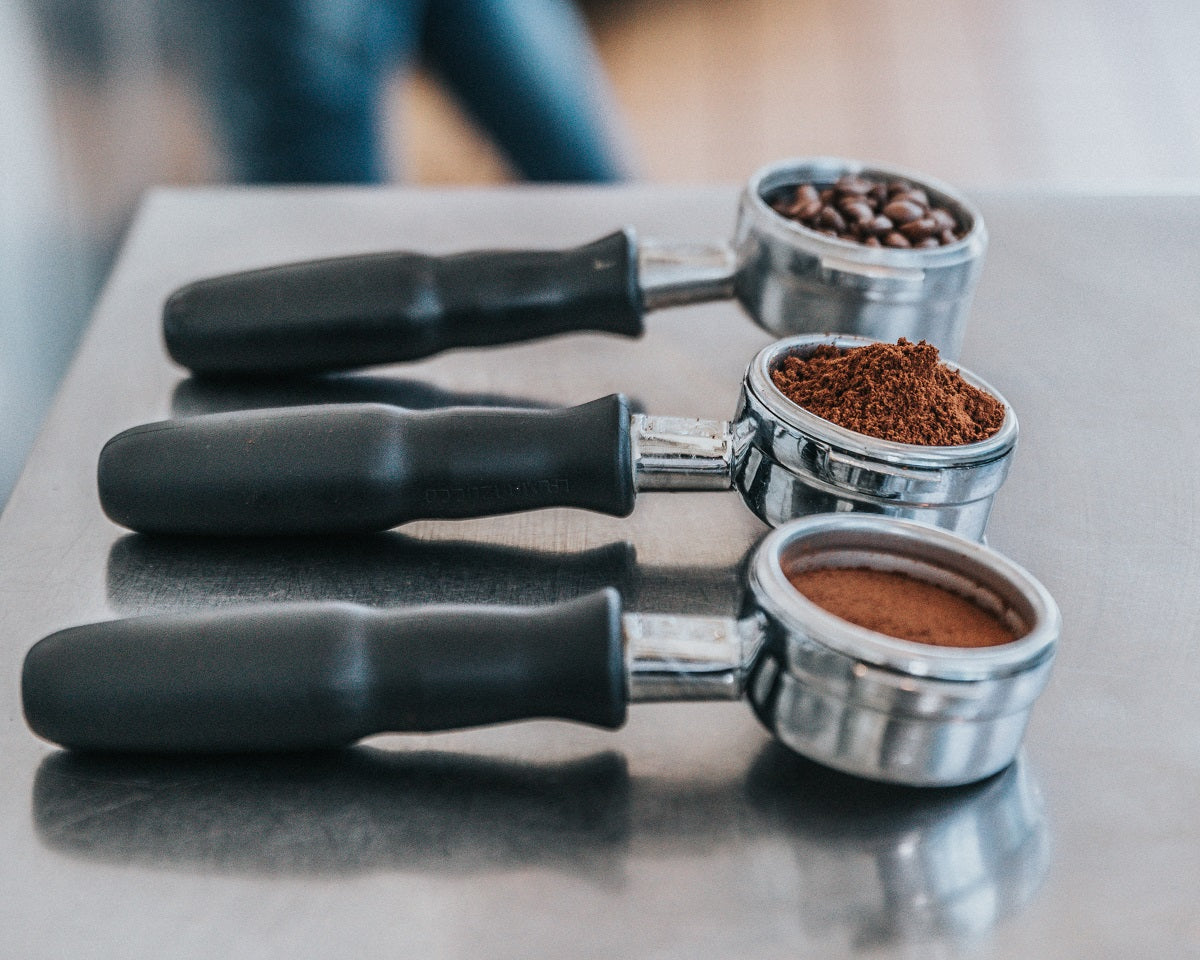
(689, 833)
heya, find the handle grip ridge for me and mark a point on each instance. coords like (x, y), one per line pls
(316, 676)
(335, 314)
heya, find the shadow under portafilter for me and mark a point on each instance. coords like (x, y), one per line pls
(346, 811)
(200, 395)
(147, 572)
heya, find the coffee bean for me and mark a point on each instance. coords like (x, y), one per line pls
(912, 198)
(872, 241)
(948, 236)
(928, 242)
(853, 185)
(918, 230)
(859, 212)
(882, 224)
(943, 218)
(902, 211)
(895, 239)
(807, 192)
(832, 219)
(808, 210)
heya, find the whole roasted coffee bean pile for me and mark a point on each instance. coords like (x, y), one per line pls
(876, 213)
(894, 391)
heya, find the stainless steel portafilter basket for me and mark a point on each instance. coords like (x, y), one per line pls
(795, 280)
(355, 311)
(890, 709)
(362, 467)
(300, 677)
(792, 463)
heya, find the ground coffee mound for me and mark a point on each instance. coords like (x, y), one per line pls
(901, 606)
(894, 391)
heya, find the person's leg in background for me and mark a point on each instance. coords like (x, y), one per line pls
(527, 72)
(296, 85)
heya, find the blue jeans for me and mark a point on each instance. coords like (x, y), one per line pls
(297, 84)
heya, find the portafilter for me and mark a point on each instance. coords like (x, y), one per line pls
(365, 467)
(352, 311)
(301, 677)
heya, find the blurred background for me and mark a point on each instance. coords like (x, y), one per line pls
(100, 99)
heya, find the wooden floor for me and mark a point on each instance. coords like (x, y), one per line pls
(977, 92)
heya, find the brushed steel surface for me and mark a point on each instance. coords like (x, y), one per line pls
(687, 834)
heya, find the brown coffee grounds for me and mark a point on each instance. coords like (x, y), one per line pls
(894, 391)
(901, 606)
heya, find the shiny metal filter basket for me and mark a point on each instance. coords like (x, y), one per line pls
(788, 462)
(890, 709)
(796, 280)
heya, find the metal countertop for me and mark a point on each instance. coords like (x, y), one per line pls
(688, 833)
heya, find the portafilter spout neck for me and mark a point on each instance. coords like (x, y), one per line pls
(675, 274)
(672, 658)
(680, 453)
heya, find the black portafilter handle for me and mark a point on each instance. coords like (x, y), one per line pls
(317, 676)
(355, 311)
(356, 468)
